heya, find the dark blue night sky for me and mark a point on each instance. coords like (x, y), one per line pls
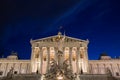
(96, 20)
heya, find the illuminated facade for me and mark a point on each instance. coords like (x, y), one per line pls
(60, 48)
(44, 50)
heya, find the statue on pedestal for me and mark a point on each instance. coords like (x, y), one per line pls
(60, 49)
(10, 73)
(60, 41)
(60, 70)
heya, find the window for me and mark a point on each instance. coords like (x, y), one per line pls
(74, 59)
(80, 45)
(37, 55)
(1, 72)
(81, 56)
(117, 74)
(44, 58)
(15, 72)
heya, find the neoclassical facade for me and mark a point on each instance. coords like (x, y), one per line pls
(20, 66)
(62, 51)
(44, 50)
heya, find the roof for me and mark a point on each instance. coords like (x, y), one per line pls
(60, 36)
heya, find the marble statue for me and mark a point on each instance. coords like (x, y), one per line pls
(60, 43)
(10, 73)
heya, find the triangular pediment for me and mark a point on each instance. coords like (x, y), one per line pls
(57, 38)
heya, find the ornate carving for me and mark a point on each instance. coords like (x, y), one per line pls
(51, 74)
(55, 71)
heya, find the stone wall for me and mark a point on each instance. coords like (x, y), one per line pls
(19, 66)
(23, 77)
(103, 66)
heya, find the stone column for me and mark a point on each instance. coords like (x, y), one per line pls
(90, 68)
(112, 70)
(70, 57)
(55, 56)
(63, 54)
(41, 60)
(48, 58)
(77, 60)
(86, 59)
(39, 70)
(32, 55)
(118, 68)
(98, 72)
(32, 60)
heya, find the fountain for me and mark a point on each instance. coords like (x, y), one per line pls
(60, 71)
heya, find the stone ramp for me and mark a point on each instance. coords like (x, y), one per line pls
(96, 77)
(118, 78)
(23, 77)
(38, 77)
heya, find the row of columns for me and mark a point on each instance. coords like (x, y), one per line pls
(40, 59)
